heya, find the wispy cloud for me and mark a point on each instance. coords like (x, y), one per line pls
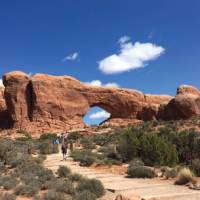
(99, 83)
(131, 56)
(73, 56)
(100, 115)
(123, 39)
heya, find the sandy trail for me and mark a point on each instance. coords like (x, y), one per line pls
(115, 184)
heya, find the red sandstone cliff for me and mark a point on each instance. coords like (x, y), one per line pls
(44, 103)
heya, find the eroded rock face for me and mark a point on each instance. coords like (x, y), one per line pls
(185, 105)
(44, 103)
(5, 119)
(17, 97)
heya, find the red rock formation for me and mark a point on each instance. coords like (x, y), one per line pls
(4, 115)
(44, 103)
(185, 105)
(17, 97)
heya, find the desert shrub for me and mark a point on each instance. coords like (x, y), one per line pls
(140, 172)
(101, 139)
(128, 146)
(64, 186)
(27, 190)
(136, 162)
(75, 177)
(64, 171)
(184, 176)
(187, 143)
(2, 168)
(112, 153)
(87, 142)
(85, 157)
(109, 162)
(48, 136)
(85, 195)
(17, 160)
(53, 195)
(73, 137)
(7, 196)
(47, 147)
(40, 158)
(6, 148)
(151, 148)
(196, 166)
(8, 182)
(170, 173)
(92, 185)
(157, 151)
(45, 175)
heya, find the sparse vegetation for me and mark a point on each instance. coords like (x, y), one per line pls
(24, 175)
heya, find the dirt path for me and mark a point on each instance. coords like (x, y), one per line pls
(115, 184)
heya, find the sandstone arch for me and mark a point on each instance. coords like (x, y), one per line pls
(44, 103)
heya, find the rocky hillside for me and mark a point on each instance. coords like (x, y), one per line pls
(44, 103)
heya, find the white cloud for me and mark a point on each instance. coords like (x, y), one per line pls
(99, 83)
(115, 85)
(100, 115)
(72, 56)
(131, 56)
(1, 82)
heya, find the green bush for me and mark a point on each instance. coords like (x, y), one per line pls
(185, 176)
(87, 142)
(7, 196)
(48, 136)
(140, 172)
(63, 171)
(47, 147)
(195, 165)
(85, 157)
(8, 182)
(157, 151)
(75, 177)
(64, 186)
(149, 146)
(85, 195)
(92, 185)
(73, 137)
(128, 146)
(27, 190)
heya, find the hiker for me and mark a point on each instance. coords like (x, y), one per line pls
(64, 145)
(56, 141)
(64, 150)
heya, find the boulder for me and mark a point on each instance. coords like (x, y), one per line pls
(185, 105)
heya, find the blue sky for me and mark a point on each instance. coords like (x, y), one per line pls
(42, 36)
